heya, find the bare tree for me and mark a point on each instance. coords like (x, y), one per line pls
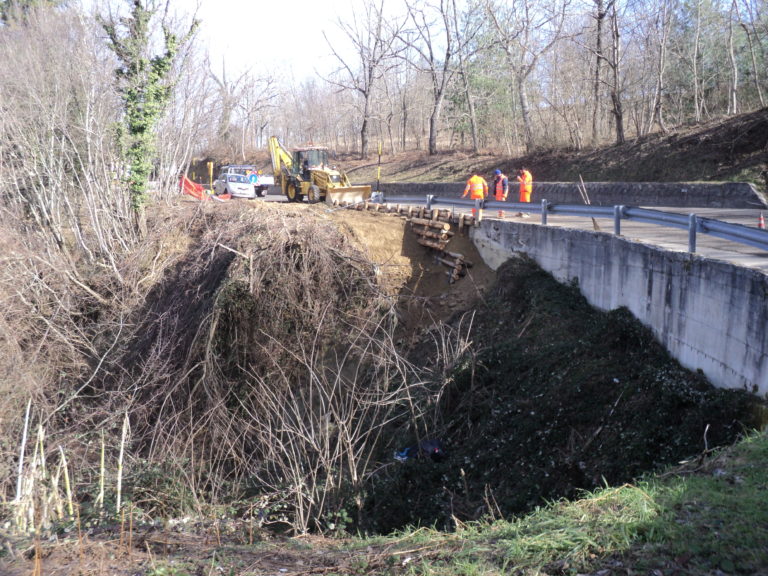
(615, 64)
(433, 48)
(750, 30)
(663, 23)
(60, 162)
(733, 89)
(600, 14)
(466, 28)
(695, 63)
(189, 125)
(259, 99)
(525, 30)
(373, 36)
(229, 96)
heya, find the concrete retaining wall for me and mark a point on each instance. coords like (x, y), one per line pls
(697, 195)
(710, 315)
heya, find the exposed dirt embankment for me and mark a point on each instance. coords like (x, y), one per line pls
(410, 272)
(264, 373)
(554, 396)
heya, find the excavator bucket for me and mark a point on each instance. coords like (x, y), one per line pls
(348, 195)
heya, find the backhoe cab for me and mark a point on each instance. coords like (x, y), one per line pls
(306, 172)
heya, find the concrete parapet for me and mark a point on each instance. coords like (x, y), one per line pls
(710, 315)
(672, 194)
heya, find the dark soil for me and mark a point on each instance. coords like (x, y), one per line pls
(558, 398)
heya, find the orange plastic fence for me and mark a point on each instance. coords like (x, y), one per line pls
(193, 189)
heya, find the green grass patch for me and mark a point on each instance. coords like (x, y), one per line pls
(706, 516)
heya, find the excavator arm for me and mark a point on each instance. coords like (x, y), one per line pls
(282, 161)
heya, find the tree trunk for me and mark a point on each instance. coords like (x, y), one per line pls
(695, 65)
(471, 110)
(364, 132)
(657, 111)
(733, 104)
(618, 111)
(403, 123)
(434, 119)
(755, 68)
(525, 112)
(598, 61)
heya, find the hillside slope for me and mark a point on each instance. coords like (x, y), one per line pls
(535, 395)
(730, 149)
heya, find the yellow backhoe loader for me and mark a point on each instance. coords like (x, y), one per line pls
(306, 172)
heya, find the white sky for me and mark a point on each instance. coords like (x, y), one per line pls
(282, 36)
(279, 35)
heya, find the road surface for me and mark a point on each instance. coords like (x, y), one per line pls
(673, 239)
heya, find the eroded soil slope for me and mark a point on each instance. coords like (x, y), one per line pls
(545, 396)
(411, 273)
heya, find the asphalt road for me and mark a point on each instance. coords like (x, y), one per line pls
(673, 239)
(676, 239)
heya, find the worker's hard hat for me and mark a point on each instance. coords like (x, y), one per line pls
(497, 172)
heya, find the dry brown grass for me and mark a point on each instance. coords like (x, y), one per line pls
(251, 350)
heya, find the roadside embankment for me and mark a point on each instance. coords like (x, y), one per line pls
(710, 315)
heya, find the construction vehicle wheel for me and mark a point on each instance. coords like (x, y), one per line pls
(314, 194)
(293, 194)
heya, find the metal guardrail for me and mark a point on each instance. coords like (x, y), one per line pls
(694, 224)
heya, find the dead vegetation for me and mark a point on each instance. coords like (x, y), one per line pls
(269, 367)
(271, 358)
(253, 356)
(720, 150)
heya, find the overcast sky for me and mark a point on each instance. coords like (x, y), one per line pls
(282, 36)
(278, 33)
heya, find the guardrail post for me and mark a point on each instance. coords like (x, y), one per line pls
(429, 201)
(692, 224)
(544, 209)
(617, 211)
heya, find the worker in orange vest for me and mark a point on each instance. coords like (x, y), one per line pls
(500, 186)
(526, 184)
(477, 188)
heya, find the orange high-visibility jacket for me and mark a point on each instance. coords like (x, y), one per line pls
(502, 187)
(526, 185)
(477, 188)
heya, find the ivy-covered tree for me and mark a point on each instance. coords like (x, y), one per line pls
(145, 84)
